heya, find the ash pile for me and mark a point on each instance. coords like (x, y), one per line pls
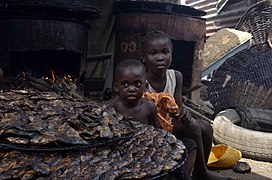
(44, 135)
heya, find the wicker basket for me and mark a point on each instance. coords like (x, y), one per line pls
(250, 96)
(245, 76)
(256, 20)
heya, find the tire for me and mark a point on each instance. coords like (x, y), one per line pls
(253, 144)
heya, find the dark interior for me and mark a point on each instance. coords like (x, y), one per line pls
(183, 53)
(39, 64)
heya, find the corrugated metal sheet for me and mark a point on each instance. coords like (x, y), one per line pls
(228, 16)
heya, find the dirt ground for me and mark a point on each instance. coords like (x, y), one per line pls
(259, 171)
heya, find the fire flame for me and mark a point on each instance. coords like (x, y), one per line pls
(53, 75)
(67, 77)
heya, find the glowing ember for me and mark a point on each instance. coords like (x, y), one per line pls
(68, 78)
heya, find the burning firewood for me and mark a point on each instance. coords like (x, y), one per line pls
(59, 85)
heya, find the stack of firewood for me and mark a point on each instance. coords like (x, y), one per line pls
(60, 85)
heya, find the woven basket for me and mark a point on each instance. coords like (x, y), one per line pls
(250, 96)
(250, 68)
(256, 20)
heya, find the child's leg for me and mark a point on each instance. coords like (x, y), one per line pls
(192, 151)
(194, 131)
(207, 137)
(188, 167)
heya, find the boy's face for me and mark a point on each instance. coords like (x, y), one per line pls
(158, 53)
(131, 84)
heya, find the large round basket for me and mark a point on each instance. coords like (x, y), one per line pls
(257, 20)
(244, 79)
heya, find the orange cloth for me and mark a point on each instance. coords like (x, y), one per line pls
(165, 104)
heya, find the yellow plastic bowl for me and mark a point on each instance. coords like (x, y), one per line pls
(223, 156)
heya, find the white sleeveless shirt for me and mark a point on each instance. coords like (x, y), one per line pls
(170, 85)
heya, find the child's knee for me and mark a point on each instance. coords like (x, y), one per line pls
(194, 130)
(191, 130)
(205, 126)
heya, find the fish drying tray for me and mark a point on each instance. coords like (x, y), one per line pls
(176, 169)
(64, 147)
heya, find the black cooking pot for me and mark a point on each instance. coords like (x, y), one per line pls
(49, 8)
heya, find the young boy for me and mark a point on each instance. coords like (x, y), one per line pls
(157, 56)
(130, 84)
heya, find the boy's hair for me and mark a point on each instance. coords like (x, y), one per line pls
(155, 34)
(134, 63)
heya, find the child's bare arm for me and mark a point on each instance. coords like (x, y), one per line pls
(178, 90)
(153, 118)
(183, 116)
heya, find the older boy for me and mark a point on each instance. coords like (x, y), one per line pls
(157, 56)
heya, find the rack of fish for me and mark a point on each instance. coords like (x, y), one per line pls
(47, 136)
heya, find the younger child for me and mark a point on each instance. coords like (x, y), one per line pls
(157, 56)
(130, 84)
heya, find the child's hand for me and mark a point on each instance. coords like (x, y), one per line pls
(183, 116)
